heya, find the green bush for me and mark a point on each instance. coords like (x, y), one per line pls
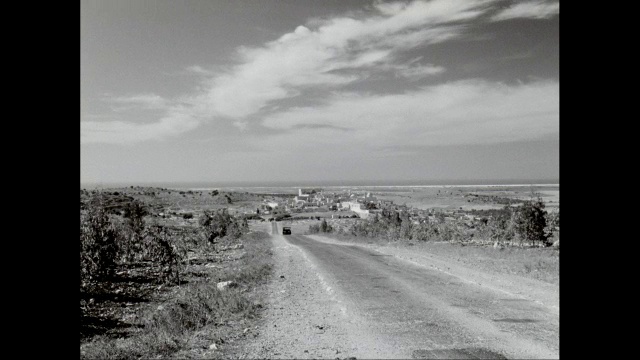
(221, 224)
(324, 227)
(499, 227)
(529, 221)
(314, 229)
(553, 226)
(106, 243)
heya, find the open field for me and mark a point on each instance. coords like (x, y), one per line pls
(466, 198)
(179, 202)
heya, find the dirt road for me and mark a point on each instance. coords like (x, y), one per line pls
(340, 301)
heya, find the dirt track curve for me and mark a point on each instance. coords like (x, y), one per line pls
(333, 300)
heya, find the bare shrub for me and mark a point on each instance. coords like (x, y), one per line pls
(131, 247)
(162, 249)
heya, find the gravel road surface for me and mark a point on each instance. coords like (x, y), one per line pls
(332, 300)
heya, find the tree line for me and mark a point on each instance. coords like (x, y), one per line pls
(527, 223)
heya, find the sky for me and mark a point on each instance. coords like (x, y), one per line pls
(323, 90)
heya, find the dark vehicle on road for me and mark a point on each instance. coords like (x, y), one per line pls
(286, 230)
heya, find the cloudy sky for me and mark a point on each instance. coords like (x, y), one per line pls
(273, 90)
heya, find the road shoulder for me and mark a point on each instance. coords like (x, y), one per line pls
(303, 317)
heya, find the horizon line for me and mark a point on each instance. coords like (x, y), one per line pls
(328, 183)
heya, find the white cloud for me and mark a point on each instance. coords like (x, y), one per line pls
(307, 57)
(121, 132)
(313, 55)
(463, 112)
(529, 9)
(390, 8)
(199, 70)
(145, 101)
(419, 72)
(242, 125)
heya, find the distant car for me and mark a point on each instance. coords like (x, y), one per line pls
(286, 230)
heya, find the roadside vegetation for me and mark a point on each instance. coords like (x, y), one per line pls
(148, 289)
(522, 240)
(525, 225)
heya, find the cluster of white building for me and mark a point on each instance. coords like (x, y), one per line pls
(362, 204)
(345, 201)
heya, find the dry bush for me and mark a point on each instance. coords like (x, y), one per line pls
(220, 224)
(98, 244)
(314, 229)
(162, 249)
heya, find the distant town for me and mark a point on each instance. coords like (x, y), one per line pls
(349, 203)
